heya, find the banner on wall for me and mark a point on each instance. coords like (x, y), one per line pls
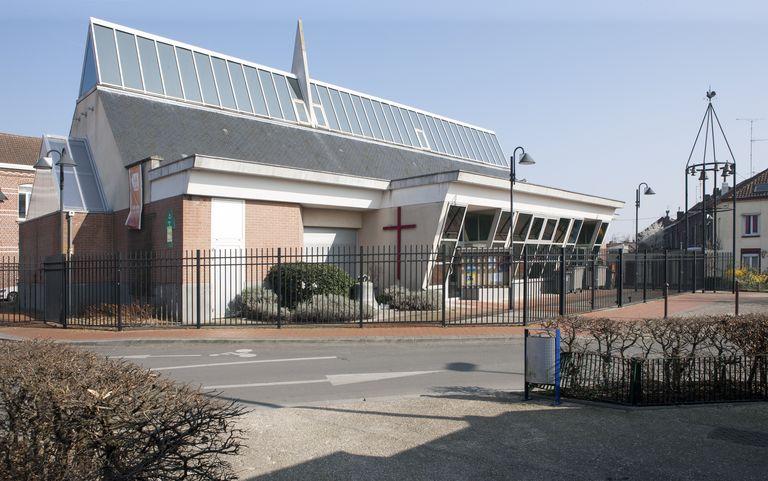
(137, 197)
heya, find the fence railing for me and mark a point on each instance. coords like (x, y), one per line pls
(664, 381)
(347, 285)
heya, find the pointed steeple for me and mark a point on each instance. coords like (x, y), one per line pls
(300, 68)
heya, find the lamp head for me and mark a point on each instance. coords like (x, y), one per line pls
(65, 160)
(703, 175)
(44, 163)
(526, 159)
(649, 191)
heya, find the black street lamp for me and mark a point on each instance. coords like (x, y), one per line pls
(647, 191)
(525, 159)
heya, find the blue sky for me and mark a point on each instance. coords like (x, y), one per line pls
(603, 94)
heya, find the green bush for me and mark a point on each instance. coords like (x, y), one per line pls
(300, 281)
(68, 414)
(330, 308)
(255, 303)
(403, 299)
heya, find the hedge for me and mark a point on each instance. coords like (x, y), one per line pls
(300, 281)
(68, 414)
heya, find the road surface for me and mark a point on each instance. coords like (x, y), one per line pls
(287, 374)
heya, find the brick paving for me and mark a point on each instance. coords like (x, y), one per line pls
(690, 304)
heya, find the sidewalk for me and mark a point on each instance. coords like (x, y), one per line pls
(690, 304)
(256, 334)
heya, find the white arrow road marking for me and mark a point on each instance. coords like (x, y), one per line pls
(191, 366)
(334, 379)
(237, 352)
(147, 356)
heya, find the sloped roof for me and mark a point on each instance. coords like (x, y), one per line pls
(144, 127)
(19, 149)
(745, 190)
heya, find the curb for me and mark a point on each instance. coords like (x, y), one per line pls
(373, 339)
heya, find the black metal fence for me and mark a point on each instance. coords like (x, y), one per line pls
(368, 285)
(664, 381)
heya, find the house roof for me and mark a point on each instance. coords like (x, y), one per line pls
(19, 149)
(756, 187)
(144, 127)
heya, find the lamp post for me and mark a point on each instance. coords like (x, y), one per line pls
(46, 163)
(525, 159)
(647, 191)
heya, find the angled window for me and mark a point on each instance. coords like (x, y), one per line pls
(25, 192)
(150, 66)
(453, 222)
(549, 230)
(298, 104)
(129, 60)
(562, 229)
(502, 229)
(285, 97)
(522, 225)
(240, 87)
(207, 84)
(535, 232)
(106, 54)
(340, 112)
(601, 234)
(88, 77)
(360, 116)
(254, 88)
(574, 235)
(269, 92)
(222, 82)
(330, 114)
(189, 75)
(170, 70)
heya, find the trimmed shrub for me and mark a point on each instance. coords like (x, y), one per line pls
(300, 281)
(330, 308)
(255, 303)
(403, 299)
(68, 414)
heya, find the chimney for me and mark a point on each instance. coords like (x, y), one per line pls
(725, 188)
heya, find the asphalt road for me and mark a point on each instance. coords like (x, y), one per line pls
(288, 374)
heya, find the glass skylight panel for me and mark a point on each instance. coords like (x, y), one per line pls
(222, 82)
(459, 143)
(435, 133)
(397, 113)
(88, 77)
(372, 118)
(392, 124)
(467, 136)
(356, 114)
(106, 53)
(241, 89)
(480, 149)
(254, 88)
(487, 155)
(285, 97)
(382, 121)
(129, 60)
(188, 75)
(170, 70)
(491, 152)
(269, 92)
(504, 159)
(445, 126)
(298, 103)
(339, 108)
(420, 119)
(352, 114)
(85, 176)
(207, 84)
(149, 66)
(330, 114)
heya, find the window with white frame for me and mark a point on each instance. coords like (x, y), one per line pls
(751, 225)
(750, 259)
(424, 144)
(25, 192)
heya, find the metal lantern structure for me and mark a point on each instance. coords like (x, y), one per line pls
(724, 166)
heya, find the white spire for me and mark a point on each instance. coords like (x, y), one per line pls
(300, 68)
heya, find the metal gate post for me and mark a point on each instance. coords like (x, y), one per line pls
(680, 260)
(620, 280)
(593, 281)
(636, 381)
(279, 288)
(118, 300)
(693, 271)
(360, 284)
(562, 281)
(198, 301)
(645, 276)
(444, 293)
(525, 287)
(65, 291)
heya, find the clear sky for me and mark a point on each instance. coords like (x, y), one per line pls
(603, 94)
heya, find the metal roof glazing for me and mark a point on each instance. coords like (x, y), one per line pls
(121, 57)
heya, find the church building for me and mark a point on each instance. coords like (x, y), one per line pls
(178, 147)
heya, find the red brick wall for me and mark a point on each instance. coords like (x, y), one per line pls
(9, 209)
(271, 225)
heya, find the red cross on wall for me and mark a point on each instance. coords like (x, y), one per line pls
(399, 228)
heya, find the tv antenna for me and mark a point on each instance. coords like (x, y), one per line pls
(752, 140)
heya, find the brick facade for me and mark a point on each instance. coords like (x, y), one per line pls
(10, 180)
(267, 225)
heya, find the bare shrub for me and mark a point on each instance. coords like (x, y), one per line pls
(67, 414)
